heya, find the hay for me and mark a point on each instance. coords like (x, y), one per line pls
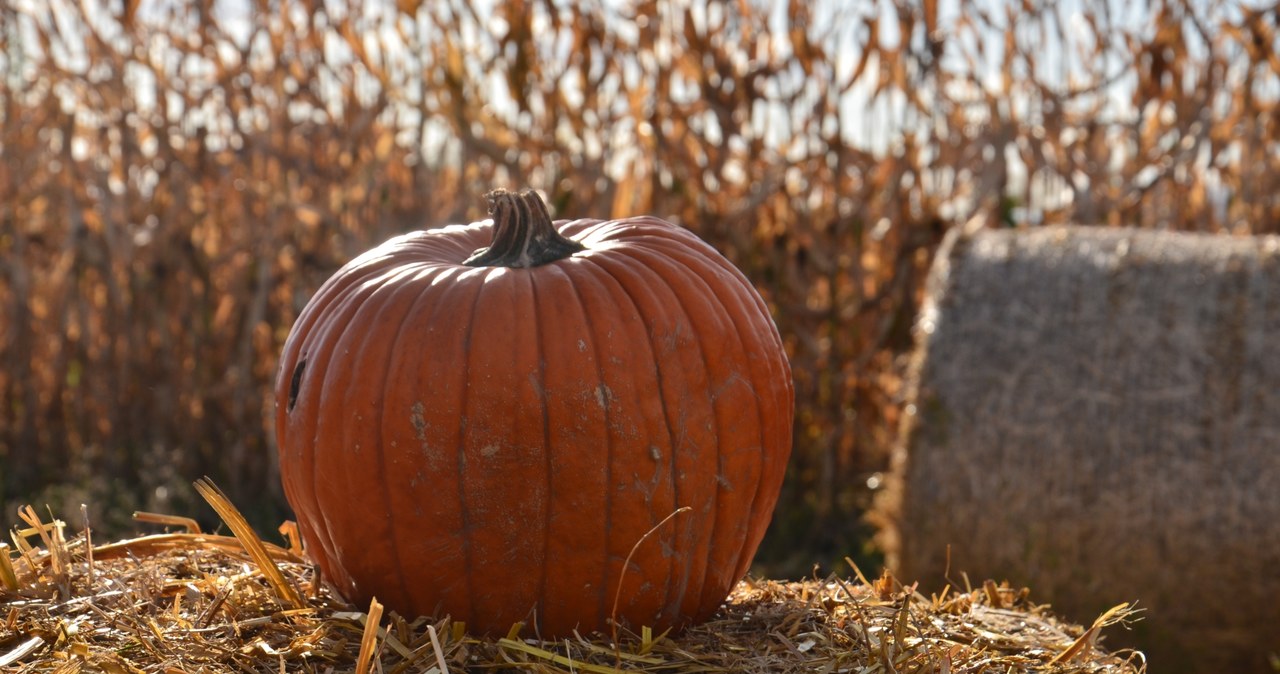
(1096, 413)
(192, 602)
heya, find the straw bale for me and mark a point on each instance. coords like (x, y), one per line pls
(192, 602)
(1096, 413)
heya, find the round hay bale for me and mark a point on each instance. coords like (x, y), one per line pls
(1096, 413)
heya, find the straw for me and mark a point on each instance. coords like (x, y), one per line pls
(197, 602)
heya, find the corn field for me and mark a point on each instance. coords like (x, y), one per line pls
(178, 177)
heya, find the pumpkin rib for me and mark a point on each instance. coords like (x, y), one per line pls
(541, 590)
(642, 279)
(660, 388)
(744, 324)
(423, 284)
(583, 230)
(350, 394)
(678, 278)
(319, 369)
(656, 236)
(608, 442)
(347, 301)
(360, 417)
(778, 370)
(428, 379)
(608, 452)
(602, 606)
(775, 370)
(540, 386)
(641, 430)
(505, 493)
(698, 573)
(467, 542)
(315, 318)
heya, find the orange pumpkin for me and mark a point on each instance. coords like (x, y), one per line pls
(488, 432)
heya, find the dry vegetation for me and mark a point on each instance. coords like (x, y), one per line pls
(193, 602)
(177, 179)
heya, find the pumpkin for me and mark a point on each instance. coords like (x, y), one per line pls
(487, 420)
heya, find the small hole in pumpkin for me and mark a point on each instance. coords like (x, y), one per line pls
(295, 382)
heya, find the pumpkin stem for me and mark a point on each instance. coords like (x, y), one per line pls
(523, 234)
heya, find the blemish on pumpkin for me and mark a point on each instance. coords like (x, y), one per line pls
(655, 453)
(488, 451)
(603, 396)
(536, 383)
(724, 483)
(419, 421)
(582, 345)
(295, 382)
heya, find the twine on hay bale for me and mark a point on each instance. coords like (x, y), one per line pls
(194, 602)
(1096, 413)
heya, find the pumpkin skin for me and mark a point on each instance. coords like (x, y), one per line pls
(492, 442)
